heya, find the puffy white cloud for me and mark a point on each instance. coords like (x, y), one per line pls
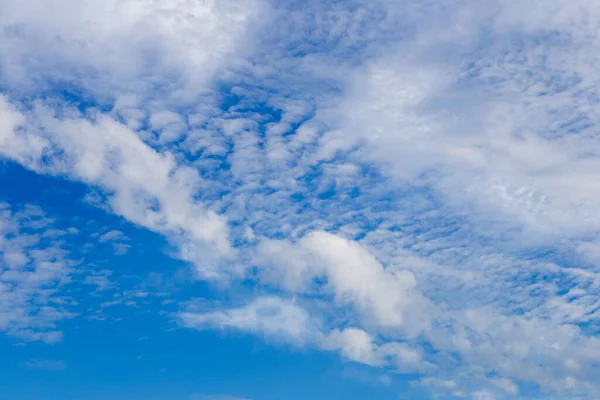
(272, 317)
(145, 186)
(359, 346)
(351, 274)
(113, 48)
(354, 344)
(281, 320)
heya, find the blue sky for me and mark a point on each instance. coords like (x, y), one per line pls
(255, 200)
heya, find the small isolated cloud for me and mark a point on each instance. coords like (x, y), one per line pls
(271, 317)
(118, 241)
(46, 365)
(112, 236)
(100, 279)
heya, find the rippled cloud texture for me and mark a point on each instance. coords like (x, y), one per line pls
(412, 186)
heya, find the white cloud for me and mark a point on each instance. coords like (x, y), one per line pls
(409, 166)
(32, 270)
(117, 239)
(359, 346)
(483, 395)
(281, 320)
(100, 279)
(354, 344)
(453, 120)
(113, 48)
(352, 275)
(271, 317)
(147, 187)
(491, 137)
(507, 385)
(111, 236)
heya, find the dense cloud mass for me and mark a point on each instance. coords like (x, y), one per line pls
(411, 185)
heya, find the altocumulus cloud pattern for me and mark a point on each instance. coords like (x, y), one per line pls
(319, 199)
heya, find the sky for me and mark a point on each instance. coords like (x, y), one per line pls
(319, 199)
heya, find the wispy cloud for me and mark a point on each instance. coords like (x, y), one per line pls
(410, 184)
(117, 239)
